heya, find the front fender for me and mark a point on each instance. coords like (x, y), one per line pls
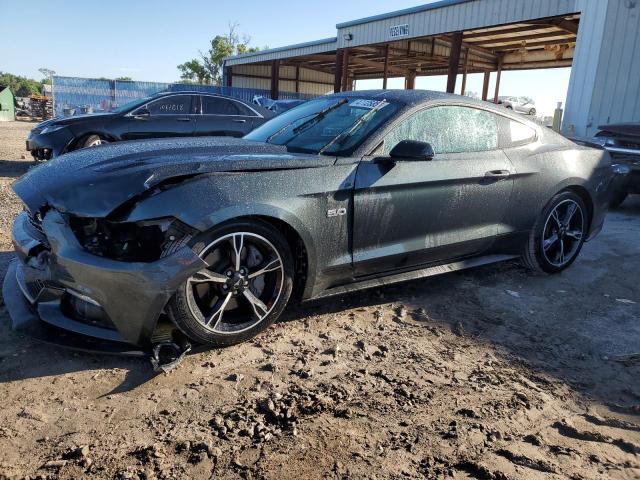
(298, 197)
(235, 212)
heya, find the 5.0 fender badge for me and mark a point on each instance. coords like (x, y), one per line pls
(336, 212)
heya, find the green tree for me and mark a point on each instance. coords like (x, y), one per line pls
(194, 71)
(20, 86)
(208, 68)
(125, 79)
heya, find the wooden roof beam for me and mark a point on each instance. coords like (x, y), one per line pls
(502, 48)
(474, 48)
(525, 38)
(378, 65)
(566, 25)
(472, 35)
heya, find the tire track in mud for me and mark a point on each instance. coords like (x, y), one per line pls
(524, 461)
(480, 472)
(611, 422)
(588, 436)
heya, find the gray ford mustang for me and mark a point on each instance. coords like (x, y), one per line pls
(210, 238)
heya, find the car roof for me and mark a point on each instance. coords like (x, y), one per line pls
(410, 98)
(196, 92)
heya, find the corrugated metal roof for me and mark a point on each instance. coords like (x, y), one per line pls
(405, 11)
(447, 17)
(306, 48)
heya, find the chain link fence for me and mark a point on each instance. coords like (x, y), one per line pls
(76, 96)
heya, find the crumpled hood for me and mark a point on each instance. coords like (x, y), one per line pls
(94, 181)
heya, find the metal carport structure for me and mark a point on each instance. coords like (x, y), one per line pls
(452, 37)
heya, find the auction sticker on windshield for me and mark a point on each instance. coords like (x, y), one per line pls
(364, 103)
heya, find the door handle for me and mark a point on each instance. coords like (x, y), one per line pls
(240, 120)
(497, 173)
(183, 119)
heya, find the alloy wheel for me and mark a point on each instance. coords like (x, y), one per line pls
(98, 141)
(240, 285)
(563, 233)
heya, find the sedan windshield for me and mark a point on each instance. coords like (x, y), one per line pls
(331, 125)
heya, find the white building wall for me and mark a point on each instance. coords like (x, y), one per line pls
(605, 79)
(259, 76)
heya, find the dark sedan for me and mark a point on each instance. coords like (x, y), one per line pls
(178, 114)
(145, 242)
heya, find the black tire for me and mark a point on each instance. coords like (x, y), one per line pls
(617, 199)
(509, 107)
(535, 256)
(92, 141)
(532, 112)
(186, 312)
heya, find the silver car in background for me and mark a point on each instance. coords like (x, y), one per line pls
(519, 104)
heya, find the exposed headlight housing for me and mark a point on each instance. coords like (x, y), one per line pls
(144, 241)
(51, 128)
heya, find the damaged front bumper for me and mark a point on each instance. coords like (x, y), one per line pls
(58, 290)
(48, 145)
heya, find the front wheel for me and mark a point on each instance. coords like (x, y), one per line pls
(558, 235)
(532, 112)
(242, 290)
(93, 141)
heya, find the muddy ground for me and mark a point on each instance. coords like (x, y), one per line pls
(493, 373)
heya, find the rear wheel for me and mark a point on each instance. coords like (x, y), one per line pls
(558, 235)
(243, 289)
(532, 112)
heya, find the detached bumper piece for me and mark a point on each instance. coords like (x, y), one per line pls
(57, 292)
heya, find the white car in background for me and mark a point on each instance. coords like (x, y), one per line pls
(518, 104)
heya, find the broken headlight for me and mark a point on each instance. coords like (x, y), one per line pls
(143, 241)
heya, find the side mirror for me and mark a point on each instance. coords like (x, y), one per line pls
(142, 114)
(412, 150)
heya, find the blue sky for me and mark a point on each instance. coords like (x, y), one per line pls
(146, 39)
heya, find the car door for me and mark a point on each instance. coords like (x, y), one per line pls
(225, 117)
(410, 213)
(168, 116)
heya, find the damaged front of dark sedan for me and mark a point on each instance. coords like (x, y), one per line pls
(212, 237)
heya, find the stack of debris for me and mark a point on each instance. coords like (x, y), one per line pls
(41, 107)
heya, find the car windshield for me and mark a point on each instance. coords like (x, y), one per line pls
(331, 125)
(131, 105)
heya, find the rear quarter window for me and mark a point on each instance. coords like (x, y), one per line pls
(516, 133)
(244, 110)
(220, 106)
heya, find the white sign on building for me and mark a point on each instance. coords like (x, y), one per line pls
(399, 31)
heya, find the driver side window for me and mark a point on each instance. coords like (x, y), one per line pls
(449, 129)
